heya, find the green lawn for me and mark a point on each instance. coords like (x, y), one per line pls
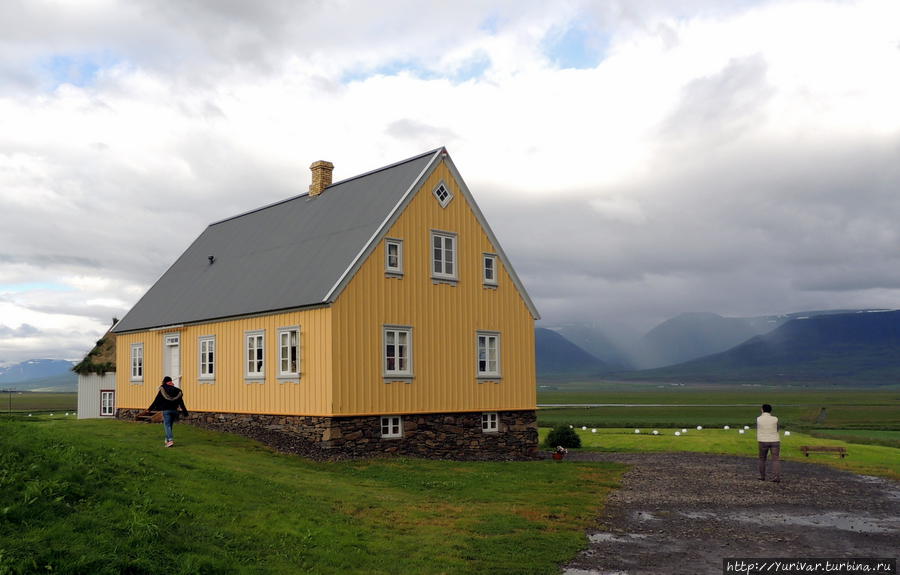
(98, 497)
(865, 459)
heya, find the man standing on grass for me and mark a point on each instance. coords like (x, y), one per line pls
(169, 399)
(767, 436)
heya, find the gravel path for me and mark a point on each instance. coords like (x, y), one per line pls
(684, 512)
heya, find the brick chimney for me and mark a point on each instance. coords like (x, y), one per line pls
(321, 177)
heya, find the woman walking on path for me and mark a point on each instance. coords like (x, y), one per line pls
(168, 400)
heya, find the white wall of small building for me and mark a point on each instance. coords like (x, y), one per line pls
(89, 388)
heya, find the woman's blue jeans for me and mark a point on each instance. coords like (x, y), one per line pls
(170, 416)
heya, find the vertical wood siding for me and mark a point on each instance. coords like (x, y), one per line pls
(230, 391)
(89, 387)
(444, 319)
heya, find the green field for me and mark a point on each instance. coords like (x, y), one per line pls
(865, 421)
(865, 459)
(870, 436)
(690, 406)
(104, 496)
(37, 402)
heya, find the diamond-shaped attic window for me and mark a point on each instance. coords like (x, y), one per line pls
(443, 195)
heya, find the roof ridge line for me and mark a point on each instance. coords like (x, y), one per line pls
(394, 165)
(298, 196)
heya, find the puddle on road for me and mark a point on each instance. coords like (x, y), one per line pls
(889, 487)
(613, 538)
(831, 520)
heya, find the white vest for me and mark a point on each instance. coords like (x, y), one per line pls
(767, 428)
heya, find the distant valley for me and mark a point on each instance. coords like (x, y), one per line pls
(830, 347)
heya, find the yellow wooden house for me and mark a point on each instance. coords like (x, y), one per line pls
(378, 313)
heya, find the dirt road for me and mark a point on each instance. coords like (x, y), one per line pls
(684, 512)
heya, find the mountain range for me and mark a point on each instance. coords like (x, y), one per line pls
(556, 356)
(845, 348)
(55, 374)
(835, 346)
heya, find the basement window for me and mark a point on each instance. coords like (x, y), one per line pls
(443, 194)
(489, 422)
(391, 427)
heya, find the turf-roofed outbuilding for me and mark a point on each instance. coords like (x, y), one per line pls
(378, 313)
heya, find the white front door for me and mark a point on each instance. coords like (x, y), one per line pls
(172, 357)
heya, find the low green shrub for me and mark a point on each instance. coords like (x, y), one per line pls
(563, 435)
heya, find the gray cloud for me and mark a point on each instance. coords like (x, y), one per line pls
(23, 330)
(750, 234)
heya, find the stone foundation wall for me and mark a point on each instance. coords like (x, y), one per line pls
(434, 435)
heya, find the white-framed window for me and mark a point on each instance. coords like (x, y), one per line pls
(107, 402)
(443, 194)
(207, 357)
(489, 422)
(489, 269)
(393, 256)
(397, 351)
(137, 362)
(488, 344)
(289, 352)
(255, 354)
(443, 255)
(391, 426)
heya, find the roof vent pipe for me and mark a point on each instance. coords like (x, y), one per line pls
(321, 177)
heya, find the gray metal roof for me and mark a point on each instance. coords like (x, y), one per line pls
(287, 255)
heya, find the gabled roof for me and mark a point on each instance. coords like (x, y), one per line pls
(296, 253)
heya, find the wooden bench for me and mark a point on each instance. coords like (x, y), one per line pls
(842, 451)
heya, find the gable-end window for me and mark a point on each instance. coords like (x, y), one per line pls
(443, 255)
(489, 269)
(256, 353)
(397, 351)
(391, 426)
(393, 256)
(107, 402)
(488, 344)
(489, 422)
(443, 194)
(207, 358)
(289, 352)
(137, 362)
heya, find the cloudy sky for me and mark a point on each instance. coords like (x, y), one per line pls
(636, 158)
